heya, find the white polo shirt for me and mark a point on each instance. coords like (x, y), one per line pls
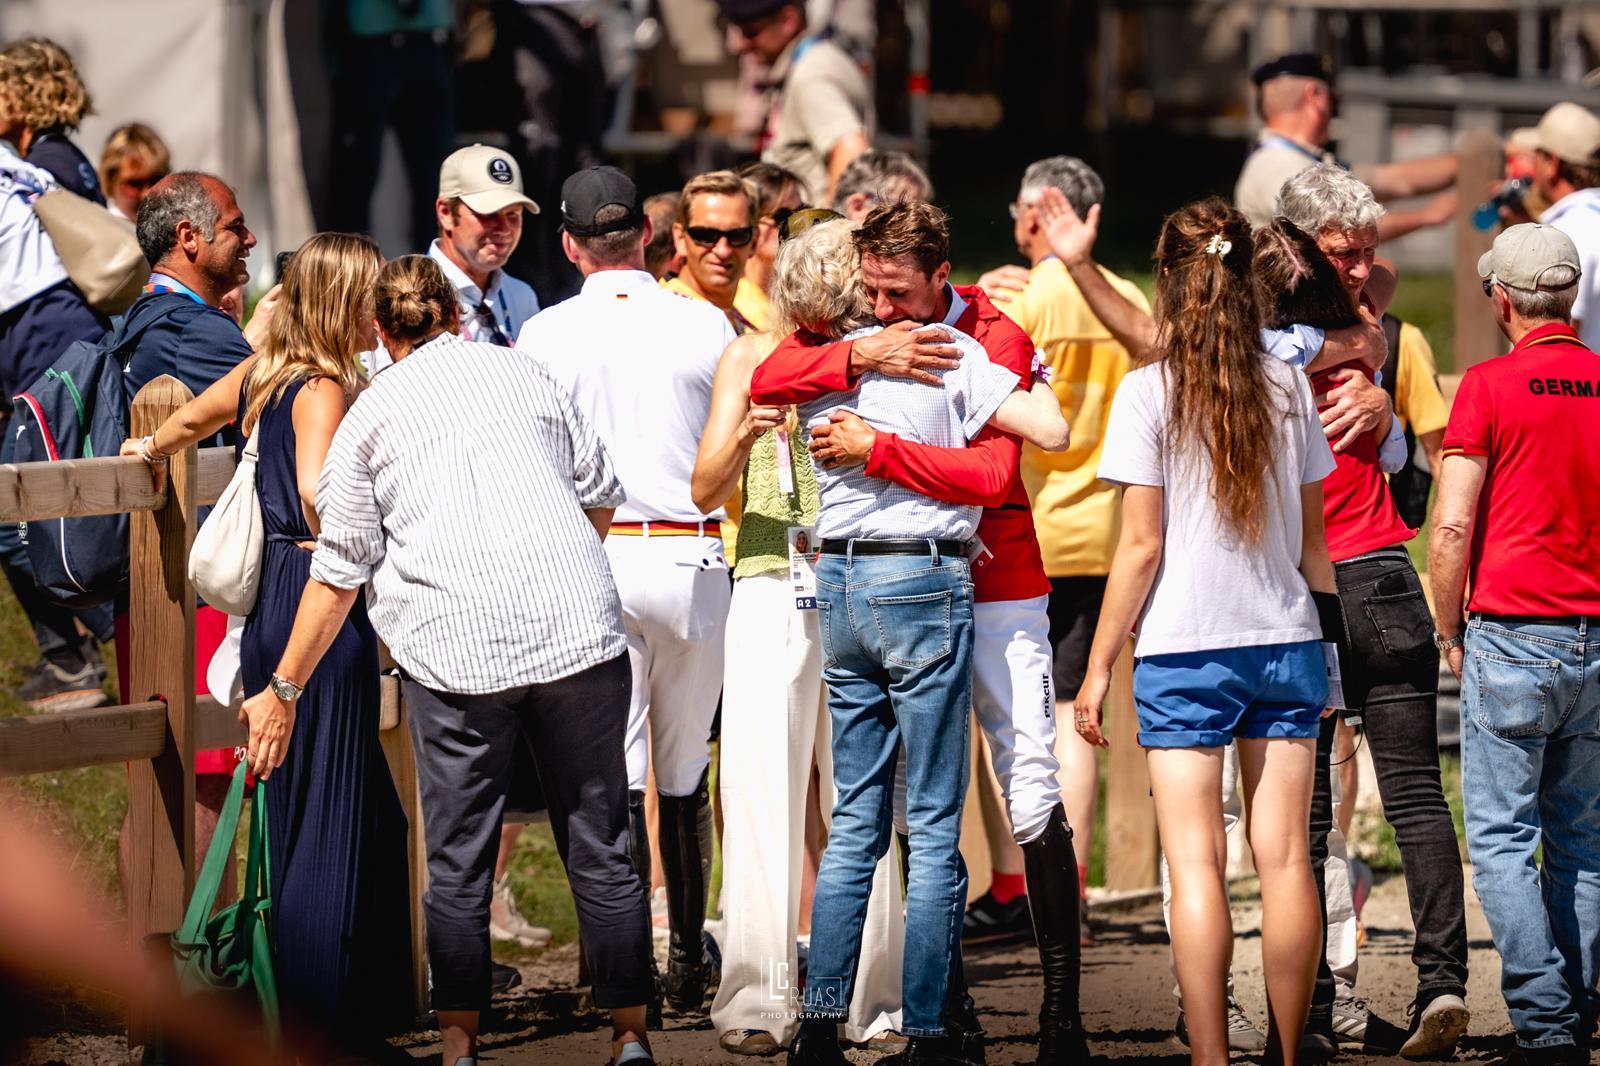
(1577, 215)
(28, 260)
(639, 362)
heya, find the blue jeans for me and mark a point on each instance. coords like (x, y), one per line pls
(897, 638)
(1530, 774)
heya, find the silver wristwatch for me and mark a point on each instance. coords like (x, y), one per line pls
(284, 689)
(1447, 646)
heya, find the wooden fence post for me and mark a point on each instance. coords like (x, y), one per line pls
(1132, 853)
(1475, 335)
(395, 737)
(161, 860)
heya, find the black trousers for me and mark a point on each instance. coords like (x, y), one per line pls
(464, 747)
(1396, 683)
(405, 80)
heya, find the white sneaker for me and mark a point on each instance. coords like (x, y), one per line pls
(507, 923)
(1442, 1022)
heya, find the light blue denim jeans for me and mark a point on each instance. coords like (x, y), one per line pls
(1530, 776)
(897, 658)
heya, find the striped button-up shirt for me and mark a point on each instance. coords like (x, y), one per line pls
(457, 485)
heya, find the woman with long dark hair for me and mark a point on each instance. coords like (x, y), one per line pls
(1222, 456)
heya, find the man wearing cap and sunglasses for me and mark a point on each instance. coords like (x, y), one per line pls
(1514, 523)
(1566, 173)
(715, 233)
(480, 210)
(639, 363)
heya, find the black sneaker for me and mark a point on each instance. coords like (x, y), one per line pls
(53, 689)
(1559, 1055)
(991, 922)
(503, 978)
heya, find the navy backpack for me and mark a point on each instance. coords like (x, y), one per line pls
(78, 409)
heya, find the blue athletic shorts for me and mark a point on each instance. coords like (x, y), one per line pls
(1204, 699)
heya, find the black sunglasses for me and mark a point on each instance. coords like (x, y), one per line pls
(707, 236)
(1488, 286)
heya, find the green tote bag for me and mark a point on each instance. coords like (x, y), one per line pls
(231, 952)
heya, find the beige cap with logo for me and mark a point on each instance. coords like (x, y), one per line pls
(1570, 132)
(1532, 257)
(485, 179)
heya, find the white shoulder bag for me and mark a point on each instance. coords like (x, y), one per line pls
(225, 562)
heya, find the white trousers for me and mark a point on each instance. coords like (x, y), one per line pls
(774, 717)
(674, 607)
(1341, 931)
(1013, 697)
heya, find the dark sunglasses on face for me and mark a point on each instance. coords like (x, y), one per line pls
(707, 236)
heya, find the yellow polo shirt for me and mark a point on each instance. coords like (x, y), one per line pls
(753, 304)
(730, 525)
(1074, 512)
(1417, 399)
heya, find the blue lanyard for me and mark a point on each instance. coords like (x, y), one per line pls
(1288, 143)
(168, 283)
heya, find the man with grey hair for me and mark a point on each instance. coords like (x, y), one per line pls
(1392, 684)
(1295, 98)
(876, 177)
(1515, 525)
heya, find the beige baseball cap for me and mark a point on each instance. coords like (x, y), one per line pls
(1569, 131)
(485, 179)
(1531, 257)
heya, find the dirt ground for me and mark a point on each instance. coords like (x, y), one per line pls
(1127, 998)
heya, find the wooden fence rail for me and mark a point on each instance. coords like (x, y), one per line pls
(158, 737)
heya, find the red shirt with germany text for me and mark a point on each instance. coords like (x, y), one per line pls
(1535, 416)
(1358, 509)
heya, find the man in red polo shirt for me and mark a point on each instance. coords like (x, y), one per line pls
(1011, 656)
(1392, 680)
(1515, 522)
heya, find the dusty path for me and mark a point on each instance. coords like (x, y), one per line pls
(1127, 982)
(1128, 1006)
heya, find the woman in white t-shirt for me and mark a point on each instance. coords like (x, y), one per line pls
(1222, 455)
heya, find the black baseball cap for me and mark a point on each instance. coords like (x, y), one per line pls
(587, 191)
(1297, 64)
(737, 11)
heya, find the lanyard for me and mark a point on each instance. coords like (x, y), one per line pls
(167, 283)
(1315, 157)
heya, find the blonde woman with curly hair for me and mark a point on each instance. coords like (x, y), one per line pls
(337, 832)
(775, 729)
(42, 100)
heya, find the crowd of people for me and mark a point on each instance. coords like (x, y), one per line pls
(769, 490)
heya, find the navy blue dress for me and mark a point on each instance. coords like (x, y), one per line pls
(336, 831)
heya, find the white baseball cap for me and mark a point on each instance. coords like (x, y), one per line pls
(486, 179)
(1533, 258)
(1570, 132)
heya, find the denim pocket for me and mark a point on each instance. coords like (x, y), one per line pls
(825, 632)
(1511, 696)
(1404, 625)
(914, 631)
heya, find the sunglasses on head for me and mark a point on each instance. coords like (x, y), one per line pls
(782, 215)
(708, 236)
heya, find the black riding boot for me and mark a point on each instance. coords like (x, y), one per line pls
(686, 856)
(639, 852)
(1052, 871)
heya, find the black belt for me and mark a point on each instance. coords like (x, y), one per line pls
(906, 546)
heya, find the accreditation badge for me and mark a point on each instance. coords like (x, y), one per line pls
(803, 552)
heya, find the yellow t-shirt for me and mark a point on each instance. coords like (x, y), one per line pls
(730, 525)
(752, 303)
(1417, 399)
(1074, 512)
